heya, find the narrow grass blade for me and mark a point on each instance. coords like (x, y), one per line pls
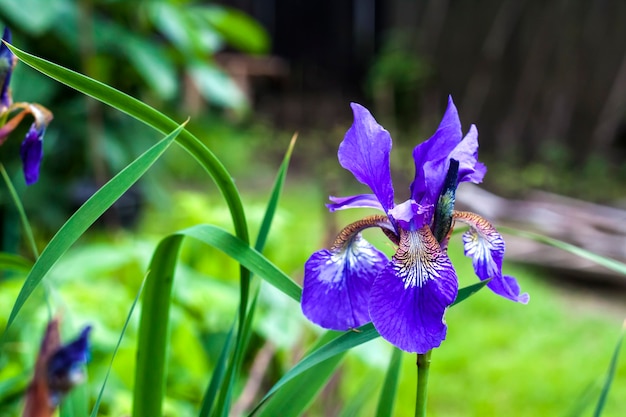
(224, 400)
(388, 393)
(296, 395)
(152, 118)
(609, 376)
(364, 392)
(152, 343)
(210, 395)
(96, 407)
(11, 262)
(245, 255)
(84, 217)
(274, 197)
(583, 253)
(343, 343)
(22, 213)
(468, 291)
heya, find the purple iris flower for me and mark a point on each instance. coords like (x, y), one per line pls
(12, 114)
(7, 63)
(405, 297)
(65, 365)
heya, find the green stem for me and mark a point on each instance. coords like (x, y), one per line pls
(423, 367)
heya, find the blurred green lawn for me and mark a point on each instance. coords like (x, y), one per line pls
(500, 358)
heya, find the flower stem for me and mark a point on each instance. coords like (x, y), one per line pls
(423, 367)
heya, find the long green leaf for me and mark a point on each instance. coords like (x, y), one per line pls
(388, 393)
(610, 376)
(22, 213)
(245, 255)
(11, 262)
(153, 118)
(210, 395)
(345, 342)
(297, 394)
(152, 343)
(274, 197)
(84, 217)
(239, 351)
(96, 407)
(583, 253)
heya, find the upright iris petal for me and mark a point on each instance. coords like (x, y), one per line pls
(365, 152)
(410, 296)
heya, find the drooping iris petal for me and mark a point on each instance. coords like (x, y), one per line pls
(364, 151)
(65, 366)
(7, 62)
(466, 152)
(337, 284)
(355, 201)
(410, 296)
(485, 246)
(431, 157)
(31, 152)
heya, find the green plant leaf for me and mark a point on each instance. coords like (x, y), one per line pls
(466, 292)
(583, 253)
(245, 255)
(22, 213)
(215, 85)
(297, 394)
(610, 376)
(11, 262)
(84, 217)
(210, 395)
(154, 329)
(344, 342)
(238, 29)
(96, 407)
(388, 393)
(153, 118)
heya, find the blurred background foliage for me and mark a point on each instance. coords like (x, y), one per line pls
(548, 99)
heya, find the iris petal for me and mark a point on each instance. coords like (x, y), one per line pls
(485, 246)
(31, 152)
(355, 201)
(466, 152)
(432, 157)
(7, 62)
(365, 151)
(410, 296)
(337, 284)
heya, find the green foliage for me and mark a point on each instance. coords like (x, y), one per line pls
(199, 314)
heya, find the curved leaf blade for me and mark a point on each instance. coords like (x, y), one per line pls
(86, 215)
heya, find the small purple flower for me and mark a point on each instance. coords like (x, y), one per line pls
(406, 297)
(7, 63)
(31, 150)
(65, 365)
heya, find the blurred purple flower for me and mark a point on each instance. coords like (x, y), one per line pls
(58, 369)
(32, 146)
(406, 297)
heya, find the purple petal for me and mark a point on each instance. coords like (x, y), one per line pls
(410, 296)
(31, 152)
(355, 201)
(65, 366)
(364, 151)
(337, 284)
(485, 246)
(7, 62)
(432, 156)
(466, 153)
